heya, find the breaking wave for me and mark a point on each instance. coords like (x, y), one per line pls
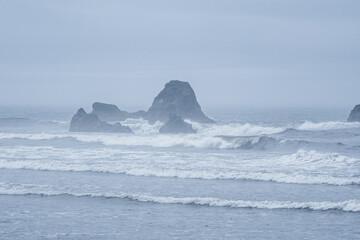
(294, 178)
(347, 206)
(141, 126)
(302, 167)
(264, 142)
(150, 140)
(222, 136)
(167, 140)
(235, 129)
(311, 126)
(254, 176)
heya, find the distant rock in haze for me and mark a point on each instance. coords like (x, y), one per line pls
(355, 114)
(177, 98)
(110, 112)
(83, 122)
(176, 124)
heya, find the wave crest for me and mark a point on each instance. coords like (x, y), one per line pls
(302, 167)
(235, 129)
(311, 126)
(347, 206)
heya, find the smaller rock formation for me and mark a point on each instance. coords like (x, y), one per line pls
(176, 124)
(110, 112)
(355, 114)
(83, 122)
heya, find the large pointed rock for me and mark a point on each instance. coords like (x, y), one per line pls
(83, 122)
(355, 114)
(176, 124)
(177, 98)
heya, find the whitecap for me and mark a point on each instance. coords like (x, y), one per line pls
(311, 126)
(352, 205)
(302, 167)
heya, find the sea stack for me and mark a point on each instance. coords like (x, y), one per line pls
(176, 124)
(84, 122)
(177, 98)
(355, 114)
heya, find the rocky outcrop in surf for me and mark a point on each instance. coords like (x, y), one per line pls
(176, 98)
(84, 122)
(355, 114)
(176, 124)
(110, 112)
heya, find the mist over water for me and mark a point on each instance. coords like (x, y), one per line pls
(281, 163)
(279, 78)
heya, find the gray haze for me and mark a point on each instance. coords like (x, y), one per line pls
(234, 53)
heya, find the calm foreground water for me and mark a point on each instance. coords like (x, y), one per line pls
(258, 174)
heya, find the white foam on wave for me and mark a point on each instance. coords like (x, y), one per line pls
(311, 126)
(235, 129)
(208, 135)
(141, 126)
(230, 129)
(316, 159)
(33, 136)
(151, 140)
(290, 178)
(302, 167)
(347, 206)
(147, 135)
(161, 140)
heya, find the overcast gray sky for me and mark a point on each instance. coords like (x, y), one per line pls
(234, 53)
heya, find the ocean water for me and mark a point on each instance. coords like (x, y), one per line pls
(257, 174)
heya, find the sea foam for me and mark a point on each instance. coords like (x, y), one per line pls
(301, 167)
(311, 126)
(352, 205)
